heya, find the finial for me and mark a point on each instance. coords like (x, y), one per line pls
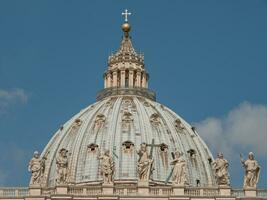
(126, 26)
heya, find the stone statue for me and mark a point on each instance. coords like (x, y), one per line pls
(62, 166)
(220, 167)
(145, 164)
(252, 171)
(36, 167)
(179, 174)
(107, 167)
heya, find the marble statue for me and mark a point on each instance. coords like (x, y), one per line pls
(62, 166)
(179, 173)
(252, 171)
(220, 167)
(145, 164)
(107, 167)
(36, 167)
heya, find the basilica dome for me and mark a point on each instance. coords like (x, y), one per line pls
(126, 115)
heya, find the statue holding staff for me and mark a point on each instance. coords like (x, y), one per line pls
(252, 171)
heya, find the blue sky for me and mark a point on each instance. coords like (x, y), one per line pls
(207, 61)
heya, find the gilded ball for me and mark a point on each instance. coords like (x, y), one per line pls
(126, 27)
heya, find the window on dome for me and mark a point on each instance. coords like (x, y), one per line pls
(127, 146)
(192, 153)
(92, 147)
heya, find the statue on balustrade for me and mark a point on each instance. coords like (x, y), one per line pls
(145, 163)
(36, 167)
(179, 173)
(220, 167)
(252, 171)
(107, 167)
(62, 166)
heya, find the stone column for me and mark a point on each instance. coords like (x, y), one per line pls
(122, 78)
(138, 79)
(131, 78)
(144, 80)
(109, 80)
(115, 79)
(105, 81)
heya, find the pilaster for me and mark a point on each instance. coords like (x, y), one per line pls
(122, 78)
(131, 78)
(115, 79)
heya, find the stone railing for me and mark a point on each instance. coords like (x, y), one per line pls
(166, 191)
(14, 192)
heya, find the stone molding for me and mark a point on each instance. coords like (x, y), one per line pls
(114, 91)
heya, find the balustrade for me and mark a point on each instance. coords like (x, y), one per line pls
(9, 193)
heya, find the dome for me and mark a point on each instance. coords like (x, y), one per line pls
(125, 116)
(120, 124)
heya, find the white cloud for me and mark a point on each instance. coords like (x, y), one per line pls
(11, 97)
(243, 129)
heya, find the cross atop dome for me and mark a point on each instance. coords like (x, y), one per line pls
(126, 13)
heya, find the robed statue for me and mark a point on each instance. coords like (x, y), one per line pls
(179, 172)
(36, 167)
(107, 167)
(220, 167)
(145, 163)
(252, 171)
(62, 166)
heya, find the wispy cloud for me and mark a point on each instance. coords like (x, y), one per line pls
(243, 129)
(11, 97)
